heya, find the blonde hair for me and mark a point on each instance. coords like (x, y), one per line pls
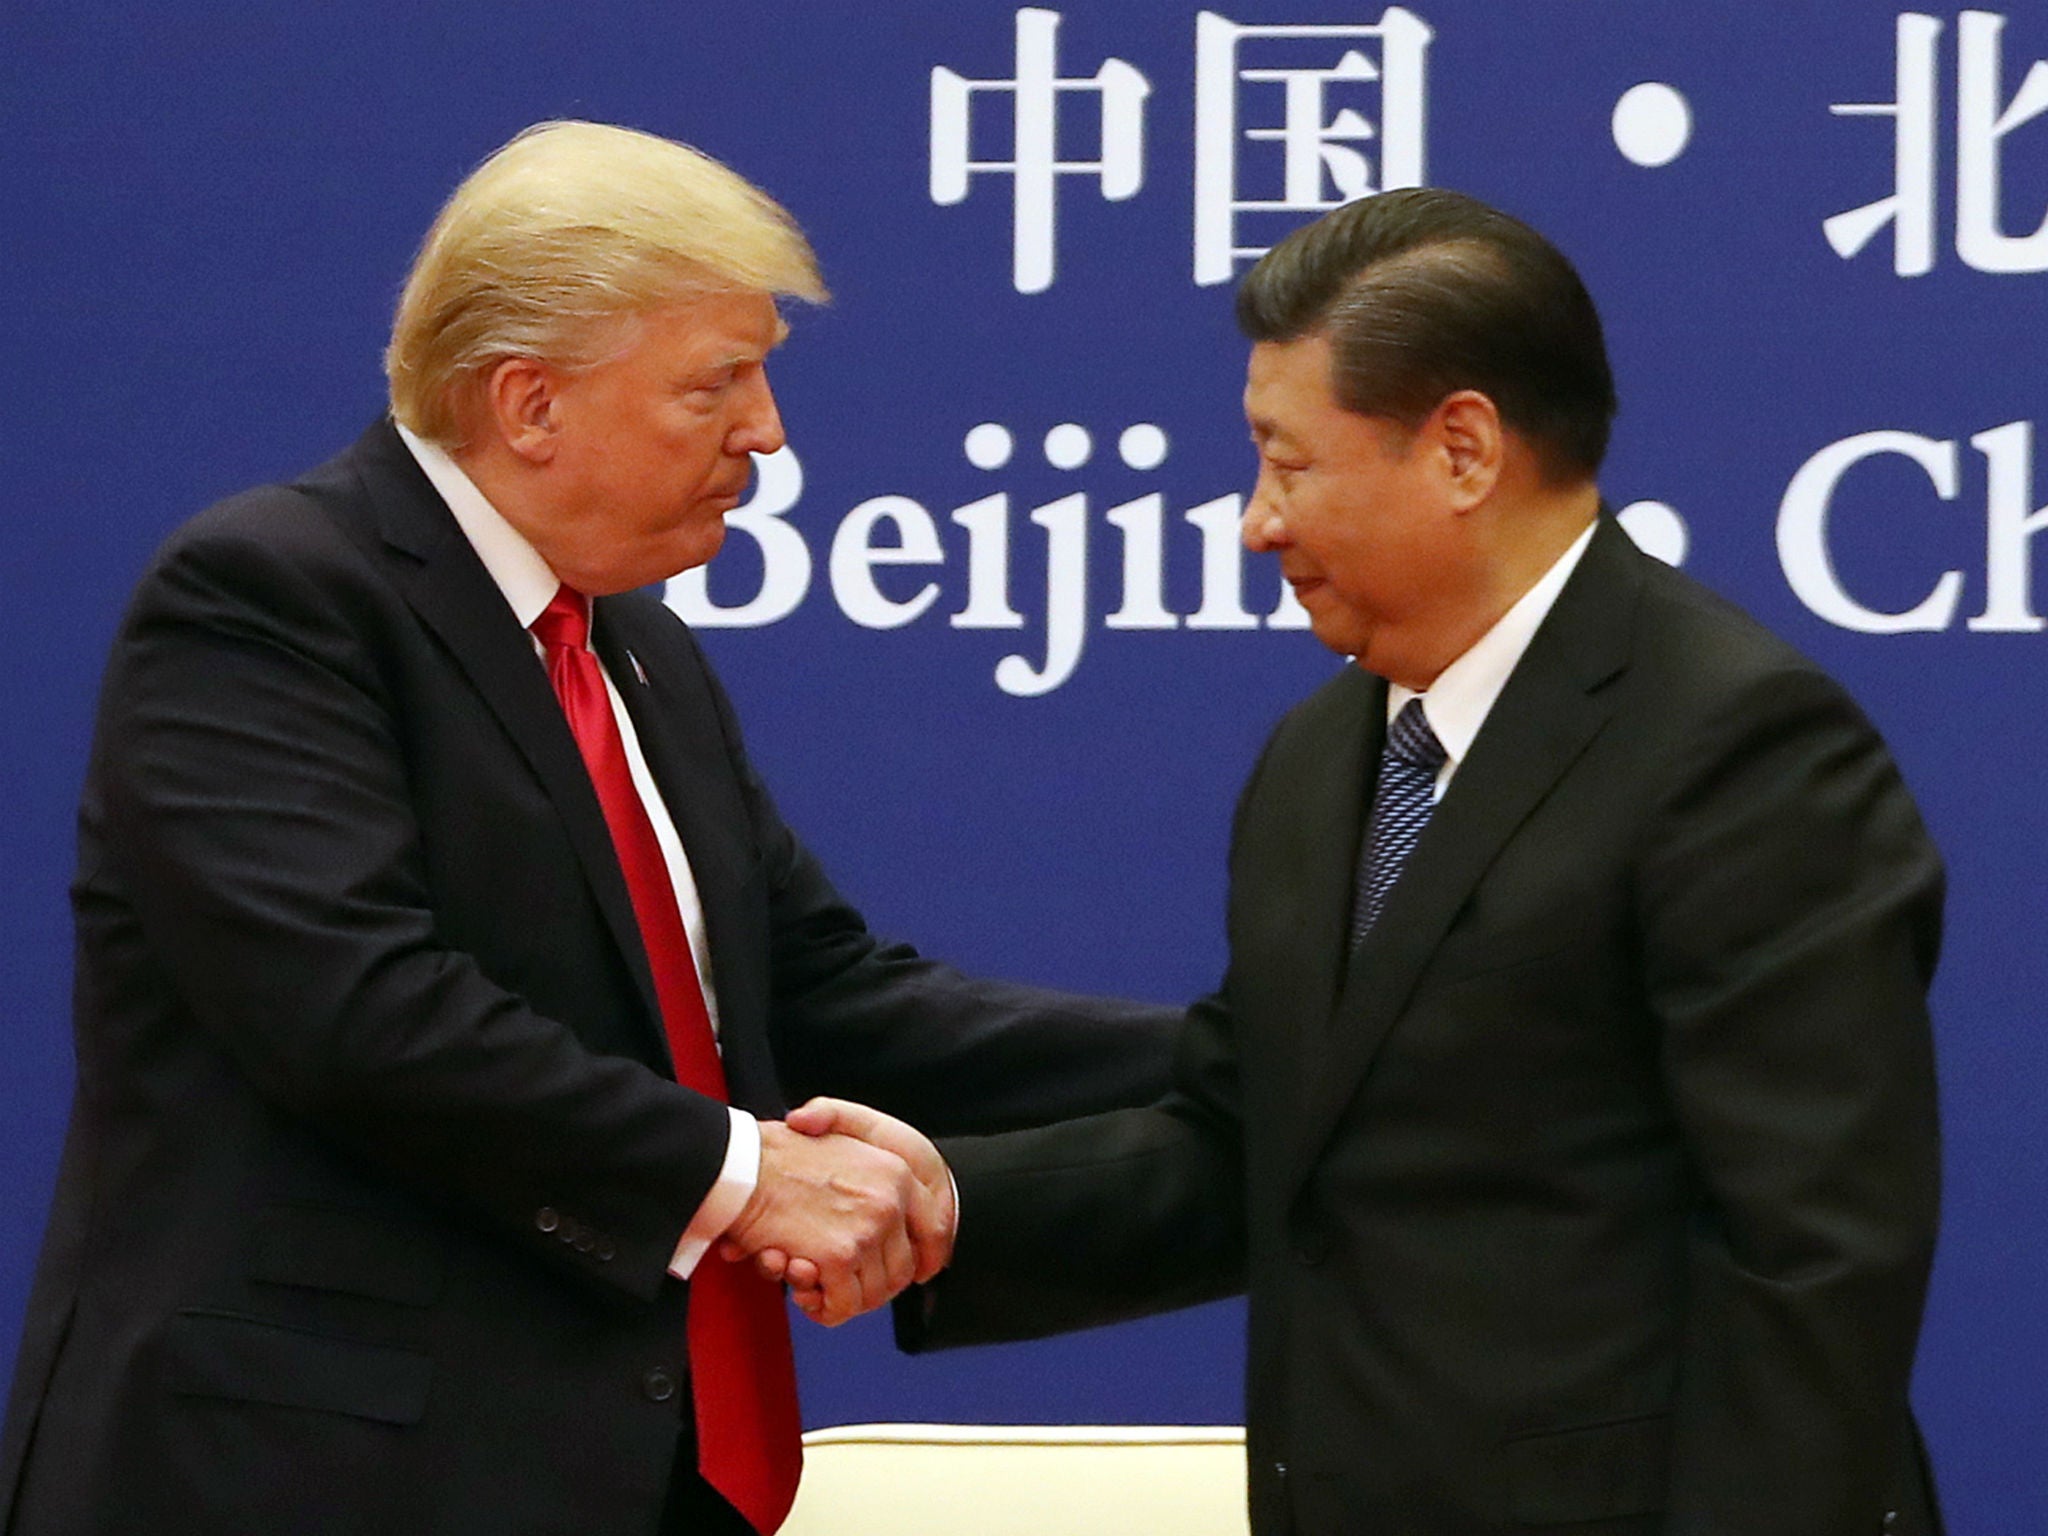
(567, 231)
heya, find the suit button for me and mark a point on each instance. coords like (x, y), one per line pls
(1280, 1470)
(606, 1252)
(658, 1385)
(546, 1218)
(584, 1242)
(1891, 1518)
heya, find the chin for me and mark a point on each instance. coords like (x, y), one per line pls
(654, 564)
(1343, 642)
(705, 545)
(676, 557)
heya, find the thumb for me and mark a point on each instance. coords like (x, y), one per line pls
(821, 1117)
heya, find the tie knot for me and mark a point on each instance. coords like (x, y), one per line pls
(1411, 741)
(565, 622)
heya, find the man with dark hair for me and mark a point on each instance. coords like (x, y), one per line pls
(1567, 1106)
(1433, 292)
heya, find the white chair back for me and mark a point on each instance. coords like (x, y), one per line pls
(1030, 1480)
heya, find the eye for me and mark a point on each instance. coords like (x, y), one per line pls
(707, 387)
(1280, 459)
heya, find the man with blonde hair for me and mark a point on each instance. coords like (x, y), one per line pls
(444, 970)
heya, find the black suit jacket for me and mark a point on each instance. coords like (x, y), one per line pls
(376, 1166)
(1596, 1192)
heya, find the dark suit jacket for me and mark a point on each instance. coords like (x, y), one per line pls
(376, 1167)
(1596, 1193)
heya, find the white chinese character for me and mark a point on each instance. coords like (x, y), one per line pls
(1034, 163)
(1981, 127)
(1911, 205)
(1318, 143)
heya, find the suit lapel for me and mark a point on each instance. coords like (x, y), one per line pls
(1331, 809)
(441, 578)
(1553, 706)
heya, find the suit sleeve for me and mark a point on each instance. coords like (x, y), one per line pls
(1098, 1219)
(254, 795)
(1791, 909)
(1107, 1217)
(876, 1022)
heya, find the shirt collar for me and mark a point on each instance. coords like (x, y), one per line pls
(1458, 702)
(515, 565)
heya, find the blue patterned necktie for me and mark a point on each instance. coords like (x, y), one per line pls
(1401, 803)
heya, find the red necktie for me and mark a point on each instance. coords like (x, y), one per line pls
(743, 1379)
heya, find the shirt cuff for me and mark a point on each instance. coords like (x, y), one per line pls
(729, 1194)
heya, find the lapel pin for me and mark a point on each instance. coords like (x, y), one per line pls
(638, 670)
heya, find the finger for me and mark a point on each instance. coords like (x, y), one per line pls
(871, 1279)
(771, 1264)
(805, 1288)
(929, 1257)
(891, 1257)
(821, 1115)
(810, 1303)
(889, 1260)
(933, 1222)
(839, 1284)
(832, 1306)
(818, 1117)
(900, 1261)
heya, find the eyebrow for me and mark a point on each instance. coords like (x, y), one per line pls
(1265, 434)
(741, 359)
(736, 360)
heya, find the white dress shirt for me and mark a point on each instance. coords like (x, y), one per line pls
(1463, 694)
(529, 586)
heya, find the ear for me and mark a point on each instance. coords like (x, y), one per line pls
(1466, 428)
(519, 405)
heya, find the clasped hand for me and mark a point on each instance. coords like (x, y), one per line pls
(851, 1206)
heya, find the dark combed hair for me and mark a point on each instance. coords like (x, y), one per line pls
(1424, 292)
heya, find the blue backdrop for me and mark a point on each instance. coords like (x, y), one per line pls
(1819, 234)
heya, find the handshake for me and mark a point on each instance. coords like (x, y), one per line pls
(850, 1207)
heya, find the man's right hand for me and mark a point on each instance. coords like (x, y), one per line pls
(932, 1220)
(842, 1207)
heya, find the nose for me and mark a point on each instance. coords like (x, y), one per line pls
(759, 426)
(1262, 528)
